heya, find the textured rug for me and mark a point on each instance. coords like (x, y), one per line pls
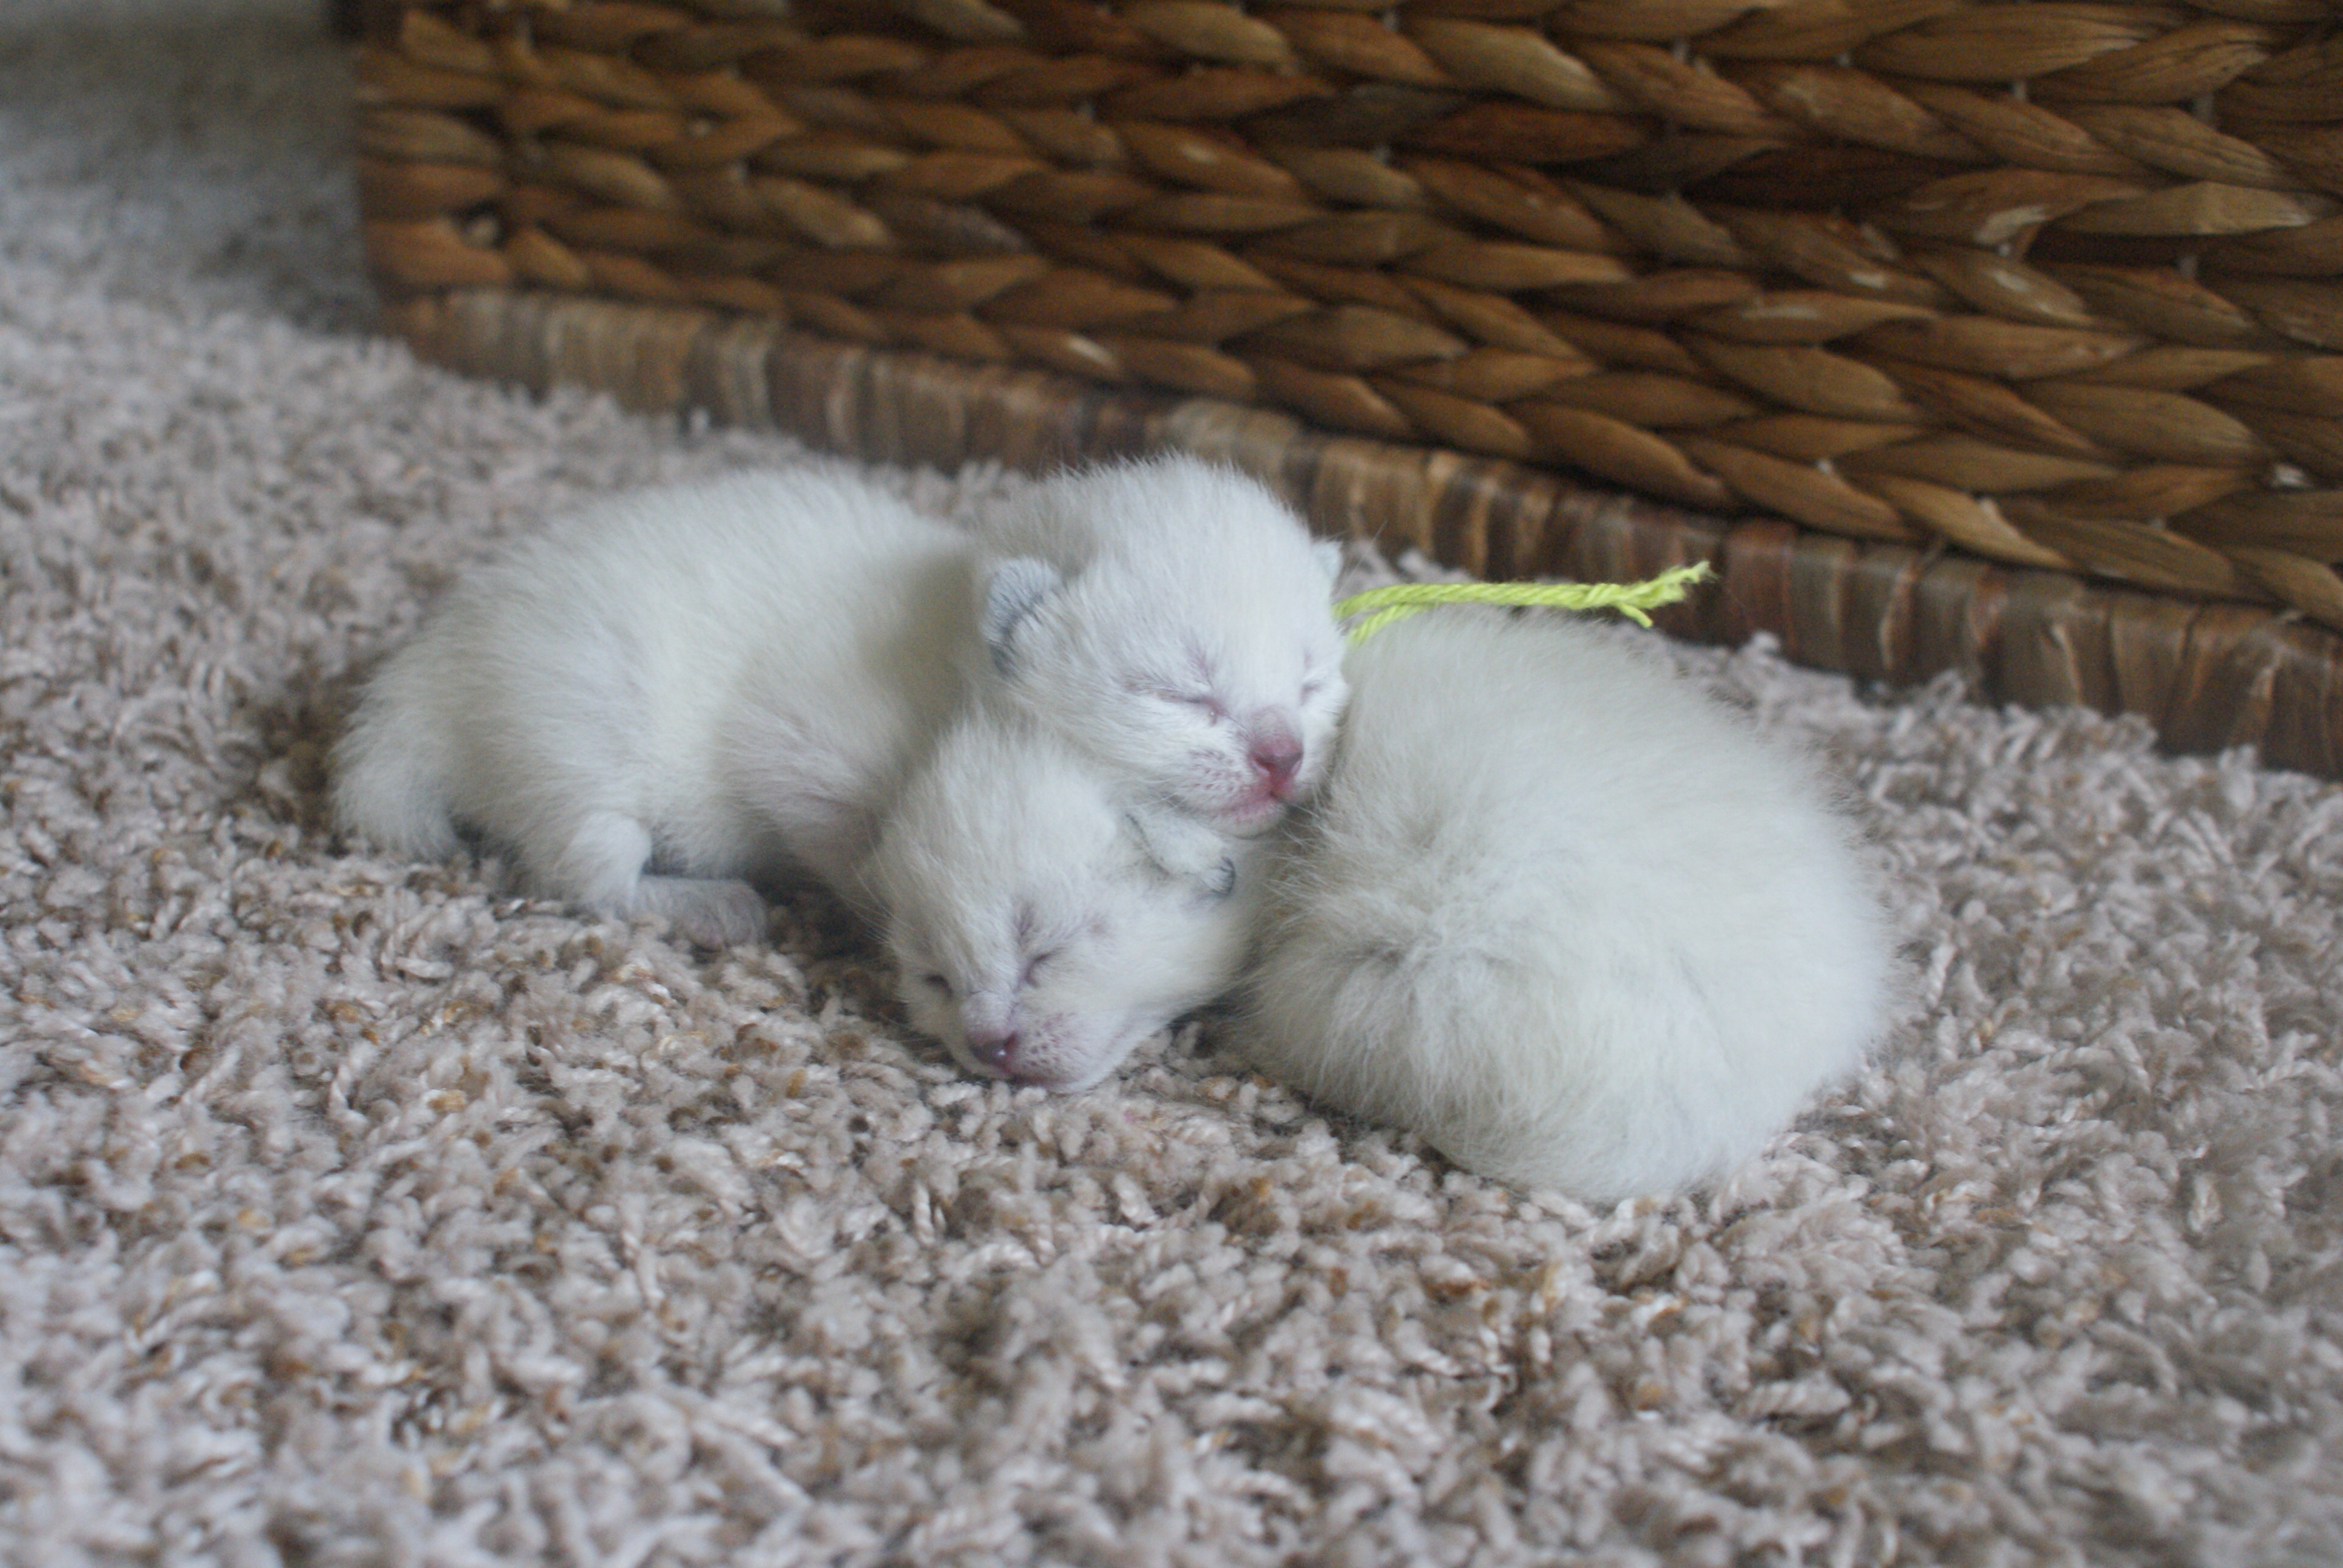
(359, 1213)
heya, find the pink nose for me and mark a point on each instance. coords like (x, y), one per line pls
(997, 1049)
(1278, 754)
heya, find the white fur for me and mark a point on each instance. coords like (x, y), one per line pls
(1186, 638)
(675, 692)
(1563, 914)
(686, 690)
(1034, 931)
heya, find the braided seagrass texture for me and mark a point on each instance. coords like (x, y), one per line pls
(2054, 283)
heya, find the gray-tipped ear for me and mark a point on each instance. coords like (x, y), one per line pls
(1185, 849)
(1018, 586)
(1329, 556)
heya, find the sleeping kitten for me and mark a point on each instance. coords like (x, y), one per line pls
(1562, 914)
(686, 691)
(1035, 926)
(1180, 632)
(729, 682)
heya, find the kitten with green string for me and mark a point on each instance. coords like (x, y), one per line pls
(1559, 911)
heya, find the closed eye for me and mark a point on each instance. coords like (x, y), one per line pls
(936, 982)
(1035, 962)
(1205, 702)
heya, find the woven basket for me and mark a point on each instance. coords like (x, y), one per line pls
(1997, 305)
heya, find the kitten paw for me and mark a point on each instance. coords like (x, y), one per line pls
(1184, 849)
(706, 913)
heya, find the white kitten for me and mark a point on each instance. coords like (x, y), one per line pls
(1563, 914)
(1036, 931)
(675, 692)
(686, 690)
(1180, 635)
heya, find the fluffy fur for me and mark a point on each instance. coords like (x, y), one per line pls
(1035, 930)
(1182, 633)
(675, 694)
(688, 691)
(1563, 914)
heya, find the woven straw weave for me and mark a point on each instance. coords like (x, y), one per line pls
(2054, 282)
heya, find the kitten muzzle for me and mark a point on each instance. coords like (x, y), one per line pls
(995, 1049)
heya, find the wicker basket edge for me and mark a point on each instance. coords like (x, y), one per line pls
(2206, 675)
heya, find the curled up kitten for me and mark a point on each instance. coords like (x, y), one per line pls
(1170, 617)
(1041, 927)
(1563, 914)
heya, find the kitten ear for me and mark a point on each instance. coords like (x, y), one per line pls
(1017, 588)
(1329, 556)
(1185, 849)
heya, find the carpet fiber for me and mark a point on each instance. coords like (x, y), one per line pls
(359, 1213)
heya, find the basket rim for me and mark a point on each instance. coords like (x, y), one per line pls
(2206, 674)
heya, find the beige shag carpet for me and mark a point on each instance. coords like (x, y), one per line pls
(357, 1213)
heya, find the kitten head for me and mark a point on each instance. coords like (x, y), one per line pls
(1037, 928)
(1190, 647)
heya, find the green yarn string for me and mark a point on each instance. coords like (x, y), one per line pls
(1384, 606)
